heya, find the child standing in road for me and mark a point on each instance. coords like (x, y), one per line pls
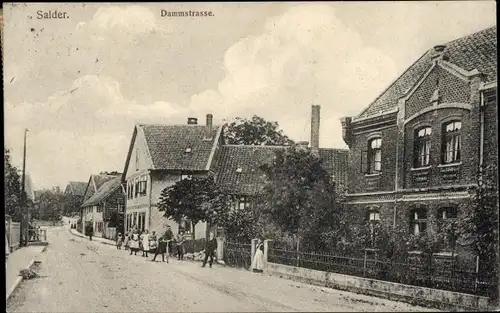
(127, 239)
(119, 240)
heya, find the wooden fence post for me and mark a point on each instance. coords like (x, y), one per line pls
(220, 250)
(266, 252)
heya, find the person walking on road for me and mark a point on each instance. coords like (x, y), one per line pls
(258, 258)
(145, 243)
(90, 231)
(169, 236)
(162, 248)
(119, 240)
(179, 242)
(210, 248)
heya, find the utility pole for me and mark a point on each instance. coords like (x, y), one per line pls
(24, 207)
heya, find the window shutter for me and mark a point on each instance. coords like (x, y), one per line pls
(364, 162)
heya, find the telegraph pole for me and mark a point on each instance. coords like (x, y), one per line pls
(24, 207)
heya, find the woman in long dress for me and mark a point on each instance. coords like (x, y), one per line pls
(258, 259)
(153, 242)
(134, 242)
(145, 243)
(126, 240)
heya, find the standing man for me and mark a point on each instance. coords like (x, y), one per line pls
(210, 247)
(163, 242)
(179, 241)
(90, 231)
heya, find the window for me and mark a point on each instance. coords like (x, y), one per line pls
(422, 147)
(141, 221)
(418, 221)
(371, 160)
(188, 150)
(136, 159)
(120, 207)
(373, 219)
(242, 202)
(446, 218)
(134, 219)
(451, 142)
(186, 176)
(141, 186)
(130, 190)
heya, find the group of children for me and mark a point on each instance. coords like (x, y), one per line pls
(137, 241)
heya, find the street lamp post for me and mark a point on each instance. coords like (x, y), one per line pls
(24, 207)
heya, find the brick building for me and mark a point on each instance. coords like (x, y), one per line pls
(415, 149)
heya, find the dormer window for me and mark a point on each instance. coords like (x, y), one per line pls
(239, 170)
(188, 150)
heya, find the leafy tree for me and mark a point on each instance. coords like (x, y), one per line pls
(71, 204)
(255, 131)
(241, 225)
(197, 199)
(299, 197)
(50, 204)
(480, 224)
(12, 188)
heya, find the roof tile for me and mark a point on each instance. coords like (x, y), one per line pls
(476, 51)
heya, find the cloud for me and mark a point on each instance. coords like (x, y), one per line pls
(305, 56)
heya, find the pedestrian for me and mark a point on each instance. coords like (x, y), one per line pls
(126, 240)
(162, 248)
(258, 258)
(179, 242)
(153, 242)
(90, 231)
(169, 236)
(210, 248)
(134, 242)
(145, 243)
(119, 240)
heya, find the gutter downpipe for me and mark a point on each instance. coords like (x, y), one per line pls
(150, 197)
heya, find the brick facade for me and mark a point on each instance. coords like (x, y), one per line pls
(443, 94)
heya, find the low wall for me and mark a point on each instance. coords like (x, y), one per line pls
(412, 294)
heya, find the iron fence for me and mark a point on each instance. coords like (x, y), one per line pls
(237, 254)
(428, 272)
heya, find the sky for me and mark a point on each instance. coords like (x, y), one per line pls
(80, 84)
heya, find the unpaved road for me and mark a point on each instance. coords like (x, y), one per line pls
(81, 276)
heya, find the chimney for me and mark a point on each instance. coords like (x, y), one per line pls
(315, 129)
(208, 127)
(439, 52)
(192, 121)
(346, 130)
(302, 145)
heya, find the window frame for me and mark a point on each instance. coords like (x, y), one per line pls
(447, 244)
(456, 140)
(422, 146)
(371, 166)
(372, 223)
(416, 221)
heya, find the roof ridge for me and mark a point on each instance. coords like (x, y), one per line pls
(171, 125)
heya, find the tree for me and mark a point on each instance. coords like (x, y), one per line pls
(50, 205)
(299, 197)
(480, 224)
(255, 131)
(241, 225)
(12, 188)
(198, 199)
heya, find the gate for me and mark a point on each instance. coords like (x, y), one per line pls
(237, 254)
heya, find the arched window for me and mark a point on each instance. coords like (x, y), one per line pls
(375, 155)
(418, 221)
(446, 218)
(451, 142)
(422, 146)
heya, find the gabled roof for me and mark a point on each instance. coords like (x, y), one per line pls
(167, 146)
(77, 188)
(96, 181)
(476, 51)
(105, 190)
(239, 166)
